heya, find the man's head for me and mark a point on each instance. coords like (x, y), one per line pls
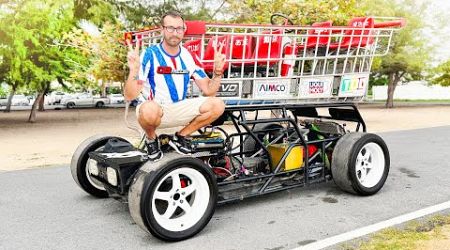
(173, 28)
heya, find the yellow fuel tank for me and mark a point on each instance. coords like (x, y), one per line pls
(293, 161)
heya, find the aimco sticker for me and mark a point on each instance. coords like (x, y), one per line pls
(353, 85)
(316, 87)
(274, 89)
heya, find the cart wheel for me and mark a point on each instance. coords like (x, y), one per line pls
(175, 199)
(81, 163)
(360, 163)
(250, 143)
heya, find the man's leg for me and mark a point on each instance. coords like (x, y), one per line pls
(149, 117)
(210, 110)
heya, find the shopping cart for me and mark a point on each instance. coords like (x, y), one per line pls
(288, 63)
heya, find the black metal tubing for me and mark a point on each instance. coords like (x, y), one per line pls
(241, 120)
(300, 184)
(284, 107)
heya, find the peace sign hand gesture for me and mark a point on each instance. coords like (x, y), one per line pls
(133, 56)
(219, 60)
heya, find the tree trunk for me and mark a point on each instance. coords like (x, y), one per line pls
(41, 102)
(8, 105)
(32, 117)
(394, 78)
(103, 88)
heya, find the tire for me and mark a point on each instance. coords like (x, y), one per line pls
(70, 105)
(360, 163)
(99, 105)
(157, 205)
(250, 143)
(79, 165)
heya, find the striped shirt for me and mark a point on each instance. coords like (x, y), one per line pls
(166, 88)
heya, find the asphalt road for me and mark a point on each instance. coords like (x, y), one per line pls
(44, 209)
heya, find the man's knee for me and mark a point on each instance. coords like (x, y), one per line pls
(150, 112)
(216, 105)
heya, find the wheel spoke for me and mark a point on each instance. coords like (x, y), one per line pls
(189, 190)
(358, 166)
(363, 176)
(170, 210)
(185, 205)
(163, 196)
(176, 184)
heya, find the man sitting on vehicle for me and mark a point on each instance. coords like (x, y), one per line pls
(162, 74)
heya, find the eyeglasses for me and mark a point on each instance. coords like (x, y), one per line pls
(171, 29)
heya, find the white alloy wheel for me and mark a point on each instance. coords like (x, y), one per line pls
(177, 206)
(370, 164)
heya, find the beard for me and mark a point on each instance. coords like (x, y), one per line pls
(172, 41)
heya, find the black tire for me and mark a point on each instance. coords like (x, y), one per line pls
(349, 165)
(148, 212)
(99, 104)
(70, 105)
(250, 143)
(79, 164)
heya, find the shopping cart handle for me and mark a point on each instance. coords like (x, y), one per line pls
(397, 23)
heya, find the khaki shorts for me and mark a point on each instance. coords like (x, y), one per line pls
(180, 113)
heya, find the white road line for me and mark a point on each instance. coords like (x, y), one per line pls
(375, 227)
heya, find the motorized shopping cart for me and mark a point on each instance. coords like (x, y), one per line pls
(309, 76)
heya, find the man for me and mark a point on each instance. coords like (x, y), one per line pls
(162, 74)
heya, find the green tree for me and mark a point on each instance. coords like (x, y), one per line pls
(442, 74)
(32, 42)
(105, 54)
(300, 12)
(409, 55)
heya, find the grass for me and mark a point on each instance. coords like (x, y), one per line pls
(405, 238)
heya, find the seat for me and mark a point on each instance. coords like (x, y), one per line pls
(318, 37)
(209, 52)
(354, 37)
(241, 48)
(272, 41)
(194, 46)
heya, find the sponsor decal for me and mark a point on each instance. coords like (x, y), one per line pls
(353, 85)
(317, 87)
(271, 89)
(229, 89)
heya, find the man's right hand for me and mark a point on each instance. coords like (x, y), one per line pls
(133, 57)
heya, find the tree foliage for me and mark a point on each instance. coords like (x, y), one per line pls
(442, 74)
(409, 54)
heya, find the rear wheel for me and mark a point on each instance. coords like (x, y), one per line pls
(176, 199)
(99, 105)
(360, 163)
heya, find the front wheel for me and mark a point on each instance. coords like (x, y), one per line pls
(70, 105)
(176, 199)
(81, 165)
(360, 163)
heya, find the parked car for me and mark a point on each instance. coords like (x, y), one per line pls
(55, 97)
(20, 100)
(116, 99)
(84, 100)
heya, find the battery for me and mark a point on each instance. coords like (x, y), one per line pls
(294, 160)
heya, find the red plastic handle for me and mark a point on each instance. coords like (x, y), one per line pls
(396, 23)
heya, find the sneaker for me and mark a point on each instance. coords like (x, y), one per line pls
(153, 148)
(183, 143)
